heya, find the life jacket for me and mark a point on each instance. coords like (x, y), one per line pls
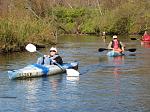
(49, 61)
(116, 44)
(146, 38)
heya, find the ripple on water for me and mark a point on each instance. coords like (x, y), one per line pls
(106, 85)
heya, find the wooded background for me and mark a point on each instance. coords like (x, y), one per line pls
(39, 20)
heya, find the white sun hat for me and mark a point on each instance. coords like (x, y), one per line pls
(115, 36)
(53, 49)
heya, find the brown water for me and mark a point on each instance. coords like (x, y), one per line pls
(119, 84)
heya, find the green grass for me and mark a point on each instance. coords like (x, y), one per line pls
(20, 25)
(14, 33)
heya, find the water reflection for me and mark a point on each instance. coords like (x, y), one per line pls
(35, 90)
(116, 62)
(73, 79)
(145, 44)
(55, 82)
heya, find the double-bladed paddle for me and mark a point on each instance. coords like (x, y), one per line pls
(103, 49)
(134, 38)
(70, 72)
(139, 39)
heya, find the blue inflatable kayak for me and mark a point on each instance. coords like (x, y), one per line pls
(37, 70)
(114, 54)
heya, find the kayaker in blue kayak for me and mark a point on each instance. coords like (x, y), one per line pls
(50, 59)
(116, 45)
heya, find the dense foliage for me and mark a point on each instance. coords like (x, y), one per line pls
(37, 20)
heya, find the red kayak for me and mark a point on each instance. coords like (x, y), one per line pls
(146, 38)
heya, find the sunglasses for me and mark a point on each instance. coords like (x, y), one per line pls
(52, 51)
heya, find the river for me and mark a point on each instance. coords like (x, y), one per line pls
(105, 84)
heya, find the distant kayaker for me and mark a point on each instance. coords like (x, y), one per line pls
(146, 37)
(50, 59)
(104, 36)
(116, 45)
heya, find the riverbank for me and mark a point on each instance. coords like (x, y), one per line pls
(40, 22)
(17, 33)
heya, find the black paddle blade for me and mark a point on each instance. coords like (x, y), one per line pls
(133, 38)
(131, 50)
(102, 49)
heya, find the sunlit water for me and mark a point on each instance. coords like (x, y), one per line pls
(119, 84)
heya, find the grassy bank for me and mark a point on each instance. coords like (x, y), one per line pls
(16, 33)
(25, 21)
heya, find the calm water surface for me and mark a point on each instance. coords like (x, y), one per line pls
(119, 84)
